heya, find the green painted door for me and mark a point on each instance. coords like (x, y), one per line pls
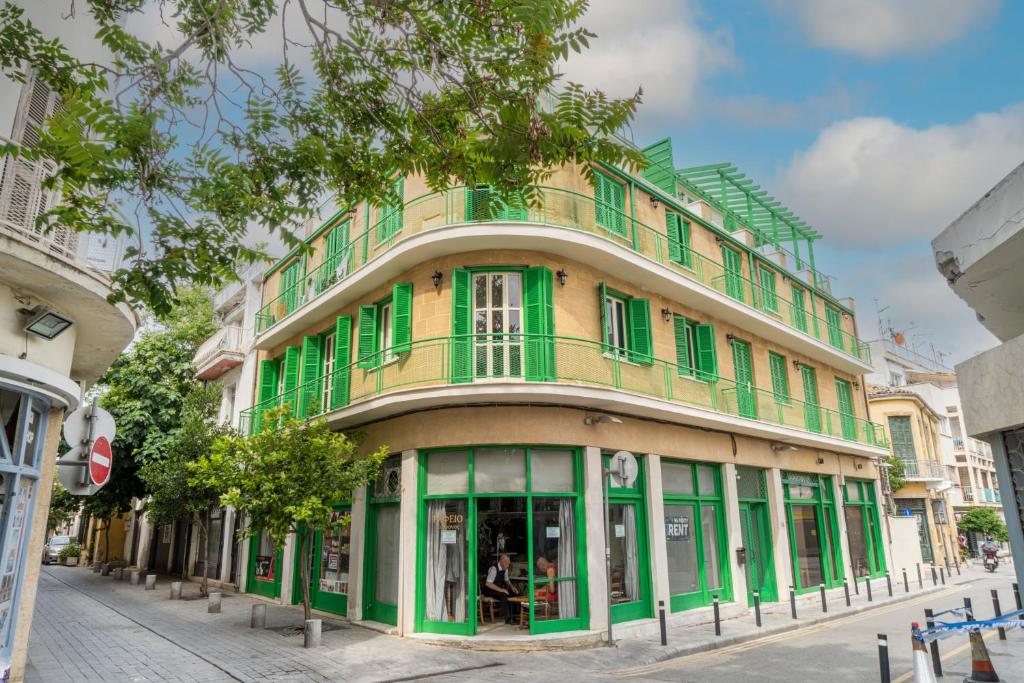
(755, 529)
(380, 587)
(290, 286)
(844, 397)
(812, 412)
(264, 567)
(733, 263)
(329, 576)
(746, 398)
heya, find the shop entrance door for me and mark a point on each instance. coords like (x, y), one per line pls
(917, 509)
(264, 566)
(755, 529)
(329, 571)
(380, 602)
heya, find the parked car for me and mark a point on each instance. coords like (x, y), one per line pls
(51, 551)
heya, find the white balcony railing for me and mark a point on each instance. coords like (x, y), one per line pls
(225, 340)
(924, 470)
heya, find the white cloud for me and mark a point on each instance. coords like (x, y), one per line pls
(872, 181)
(812, 111)
(879, 28)
(655, 44)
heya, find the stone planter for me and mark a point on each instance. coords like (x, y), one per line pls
(70, 561)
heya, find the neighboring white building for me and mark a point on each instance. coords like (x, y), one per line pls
(58, 334)
(980, 255)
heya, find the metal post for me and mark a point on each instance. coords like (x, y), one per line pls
(888, 582)
(929, 622)
(824, 605)
(942, 575)
(968, 609)
(999, 612)
(792, 601)
(867, 584)
(883, 657)
(906, 584)
(846, 589)
(718, 617)
(661, 619)
(607, 551)
(920, 581)
(956, 563)
(757, 608)
(1016, 595)
(935, 576)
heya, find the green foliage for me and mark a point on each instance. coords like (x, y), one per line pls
(984, 521)
(192, 144)
(63, 507)
(896, 472)
(70, 550)
(286, 477)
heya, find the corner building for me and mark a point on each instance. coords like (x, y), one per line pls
(505, 352)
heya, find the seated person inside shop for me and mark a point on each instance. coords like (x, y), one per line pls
(549, 591)
(498, 586)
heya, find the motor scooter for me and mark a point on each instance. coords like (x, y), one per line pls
(991, 560)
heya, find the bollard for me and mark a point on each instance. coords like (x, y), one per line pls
(920, 581)
(999, 612)
(1016, 595)
(757, 609)
(824, 605)
(883, 657)
(906, 584)
(661, 620)
(213, 602)
(968, 609)
(948, 570)
(867, 583)
(105, 569)
(133, 578)
(929, 622)
(956, 563)
(935, 576)
(942, 575)
(175, 590)
(888, 582)
(258, 618)
(718, 617)
(150, 582)
(846, 589)
(96, 567)
(118, 574)
(792, 601)
(856, 588)
(311, 633)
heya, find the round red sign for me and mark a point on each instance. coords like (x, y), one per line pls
(100, 461)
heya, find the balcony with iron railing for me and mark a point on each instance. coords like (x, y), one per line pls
(968, 494)
(565, 209)
(221, 352)
(924, 470)
(501, 364)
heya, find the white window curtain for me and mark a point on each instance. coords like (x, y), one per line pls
(632, 578)
(455, 575)
(446, 579)
(566, 559)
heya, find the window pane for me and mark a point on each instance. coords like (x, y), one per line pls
(712, 564)
(446, 584)
(681, 539)
(858, 542)
(334, 556)
(852, 491)
(706, 479)
(808, 567)
(480, 290)
(515, 296)
(497, 290)
(448, 472)
(554, 552)
(551, 470)
(801, 491)
(499, 469)
(677, 477)
(386, 589)
(625, 586)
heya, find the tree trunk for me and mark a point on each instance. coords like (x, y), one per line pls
(204, 587)
(106, 541)
(304, 572)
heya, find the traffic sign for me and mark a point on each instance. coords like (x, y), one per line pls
(100, 461)
(76, 425)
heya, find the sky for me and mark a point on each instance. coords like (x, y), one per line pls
(877, 121)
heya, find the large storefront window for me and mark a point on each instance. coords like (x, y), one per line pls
(522, 563)
(630, 585)
(813, 532)
(695, 534)
(264, 566)
(862, 528)
(330, 564)
(380, 587)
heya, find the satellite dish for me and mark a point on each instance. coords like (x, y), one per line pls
(623, 468)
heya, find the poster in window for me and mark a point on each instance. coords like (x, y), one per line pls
(332, 562)
(620, 531)
(264, 568)
(677, 528)
(449, 536)
(552, 532)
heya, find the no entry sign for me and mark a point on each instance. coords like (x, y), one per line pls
(100, 460)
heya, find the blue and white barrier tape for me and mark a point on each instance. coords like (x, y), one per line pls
(944, 630)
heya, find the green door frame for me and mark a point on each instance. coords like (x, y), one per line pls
(827, 527)
(268, 589)
(698, 500)
(322, 600)
(759, 517)
(637, 495)
(384, 613)
(870, 519)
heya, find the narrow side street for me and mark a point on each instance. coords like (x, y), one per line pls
(92, 628)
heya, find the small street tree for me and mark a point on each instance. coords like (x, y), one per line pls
(287, 478)
(63, 507)
(984, 521)
(173, 493)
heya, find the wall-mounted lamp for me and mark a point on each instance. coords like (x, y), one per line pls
(354, 210)
(655, 202)
(436, 278)
(719, 240)
(797, 364)
(666, 314)
(45, 323)
(856, 384)
(601, 420)
(860, 466)
(562, 277)
(821, 461)
(730, 337)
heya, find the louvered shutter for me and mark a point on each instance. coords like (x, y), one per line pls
(780, 381)
(844, 399)
(733, 265)
(684, 238)
(679, 323)
(267, 392)
(799, 309)
(291, 378)
(367, 350)
(902, 439)
(707, 355)
(342, 361)
(539, 325)
(641, 347)
(833, 320)
(310, 388)
(401, 317)
(602, 301)
(768, 295)
(462, 321)
(395, 224)
(476, 198)
(673, 223)
(812, 412)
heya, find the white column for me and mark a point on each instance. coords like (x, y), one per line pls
(844, 537)
(288, 568)
(656, 523)
(780, 532)
(597, 579)
(730, 498)
(407, 545)
(243, 559)
(357, 545)
(226, 557)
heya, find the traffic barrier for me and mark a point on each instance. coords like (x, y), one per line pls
(982, 670)
(213, 602)
(661, 621)
(105, 569)
(867, 583)
(1016, 595)
(117, 573)
(922, 672)
(956, 563)
(883, 658)
(312, 633)
(935, 576)
(258, 617)
(998, 612)
(968, 609)
(942, 575)
(920, 581)
(150, 582)
(133, 578)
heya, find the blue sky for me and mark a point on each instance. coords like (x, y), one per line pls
(878, 121)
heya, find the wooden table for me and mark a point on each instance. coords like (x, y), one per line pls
(524, 609)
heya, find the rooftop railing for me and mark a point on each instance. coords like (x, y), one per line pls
(567, 209)
(524, 358)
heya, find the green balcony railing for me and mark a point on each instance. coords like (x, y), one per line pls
(445, 361)
(566, 209)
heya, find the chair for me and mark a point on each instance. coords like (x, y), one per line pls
(481, 600)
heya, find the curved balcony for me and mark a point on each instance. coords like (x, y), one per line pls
(556, 370)
(218, 354)
(579, 213)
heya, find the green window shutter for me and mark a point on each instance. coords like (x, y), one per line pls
(462, 326)
(780, 380)
(799, 310)
(769, 298)
(641, 345)
(673, 225)
(684, 232)
(309, 392)
(476, 199)
(611, 203)
(902, 439)
(732, 262)
(743, 372)
(401, 317)
(345, 251)
(342, 361)
(291, 377)
(539, 325)
(812, 412)
(367, 350)
(707, 356)
(679, 324)
(267, 392)
(844, 399)
(834, 322)
(397, 212)
(289, 287)
(602, 303)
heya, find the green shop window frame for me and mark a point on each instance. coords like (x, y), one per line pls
(336, 603)
(700, 499)
(635, 495)
(866, 500)
(823, 502)
(268, 589)
(469, 627)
